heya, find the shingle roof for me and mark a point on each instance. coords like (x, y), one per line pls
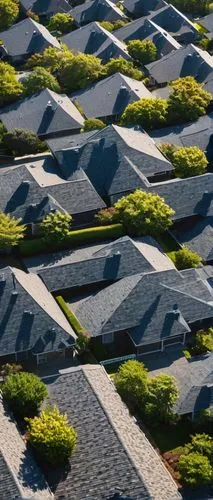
(207, 22)
(110, 96)
(152, 307)
(30, 317)
(52, 114)
(96, 10)
(93, 39)
(27, 37)
(142, 7)
(176, 23)
(98, 263)
(112, 454)
(186, 61)
(198, 236)
(45, 7)
(69, 141)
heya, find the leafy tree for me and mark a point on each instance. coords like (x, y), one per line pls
(22, 142)
(10, 88)
(143, 51)
(119, 24)
(24, 393)
(80, 71)
(187, 101)
(53, 59)
(144, 213)
(131, 382)
(52, 436)
(185, 258)
(192, 6)
(161, 397)
(122, 66)
(32, 15)
(9, 11)
(93, 124)
(62, 22)
(56, 225)
(11, 231)
(189, 162)
(107, 25)
(195, 469)
(148, 112)
(106, 216)
(201, 443)
(204, 341)
(38, 80)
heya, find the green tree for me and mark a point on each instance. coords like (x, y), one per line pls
(195, 469)
(144, 213)
(62, 22)
(22, 142)
(56, 226)
(185, 258)
(204, 341)
(192, 6)
(122, 66)
(143, 51)
(9, 11)
(107, 25)
(11, 231)
(10, 88)
(161, 397)
(187, 101)
(119, 24)
(24, 393)
(38, 80)
(53, 59)
(148, 112)
(131, 382)
(201, 443)
(106, 216)
(52, 436)
(93, 124)
(189, 162)
(80, 71)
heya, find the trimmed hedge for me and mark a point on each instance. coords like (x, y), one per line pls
(74, 238)
(77, 327)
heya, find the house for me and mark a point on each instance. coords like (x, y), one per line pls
(53, 114)
(108, 98)
(26, 38)
(176, 23)
(186, 61)
(20, 475)
(96, 10)
(199, 133)
(93, 39)
(32, 323)
(145, 312)
(137, 8)
(113, 458)
(145, 29)
(198, 236)
(45, 9)
(34, 190)
(98, 264)
(69, 141)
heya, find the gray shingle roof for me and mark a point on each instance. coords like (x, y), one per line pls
(52, 114)
(30, 317)
(110, 96)
(186, 61)
(45, 7)
(69, 141)
(142, 7)
(152, 307)
(111, 453)
(27, 37)
(176, 23)
(96, 10)
(207, 22)
(198, 236)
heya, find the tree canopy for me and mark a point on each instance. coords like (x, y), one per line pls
(148, 112)
(131, 381)
(62, 22)
(112, 25)
(22, 142)
(188, 161)
(52, 58)
(93, 124)
(192, 6)
(185, 258)
(38, 80)
(24, 393)
(11, 231)
(56, 225)
(80, 71)
(162, 395)
(10, 88)
(187, 100)
(195, 469)
(123, 66)
(9, 11)
(143, 51)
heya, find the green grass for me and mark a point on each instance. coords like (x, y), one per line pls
(169, 437)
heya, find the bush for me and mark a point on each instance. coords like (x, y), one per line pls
(80, 71)
(187, 101)
(11, 231)
(195, 469)
(187, 161)
(143, 51)
(55, 226)
(161, 397)
(9, 11)
(93, 124)
(10, 88)
(192, 6)
(75, 324)
(38, 80)
(148, 112)
(52, 436)
(62, 22)
(24, 393)
(131, 382)
(22, 142)
(122, 66)
(106, 216)
(185, 258)
(8, 369)
(203, 341)
(201, 443)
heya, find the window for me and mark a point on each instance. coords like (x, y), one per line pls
(108, 338)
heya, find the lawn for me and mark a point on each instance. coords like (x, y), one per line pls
(168, 437)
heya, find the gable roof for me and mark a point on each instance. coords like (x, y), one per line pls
(119, 455)
(207, 22)
(45, 7)
(110, 96)
(186, 61)
(69, 141)
(96, 10)
(176, 23)
(94, 39)
(30, 317)
(26, 38)
(198, 236)
(142, 7)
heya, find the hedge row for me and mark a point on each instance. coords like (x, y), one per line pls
(77, 327)
(74, 238)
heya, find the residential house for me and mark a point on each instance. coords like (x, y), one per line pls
(108, 98)
(96, 10)
(197, 235)
(53, 114)
(176, 23)
(113, 458)
(137, 8)
(69, 141)
(26, 38)
(45, 9)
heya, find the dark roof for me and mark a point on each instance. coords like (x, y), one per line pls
(198, 236)
(30, 317)
(69, 141)
(199, 398)
(27, 37)
(142, 7)
(112, 454)
(98, 263)
(110, 96)
(93, 39)
(96, 10)
(207, 22)
(176, 23)
(186, 61)
(52, 114)
(45, 7)
(151, 307)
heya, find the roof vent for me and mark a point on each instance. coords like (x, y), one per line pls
(34, 32)
(14, 293)
(49, 104)
(28, 312)
(33, 205)
(26, 32)
(27, 183)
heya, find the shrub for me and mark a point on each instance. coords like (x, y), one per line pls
(107, 25)
(148, 112)
(185, 258)
(56, 225)
(143, 51)
(52, 436)
(187, 101)
(38, 80)
(122, 66)
(132, 382)
(9, 11)
(161, 397)
(80, 71)
(204, 341)
(195, 469)
(24, 393)
(192, 6)
(62, 22)
(93, 124)
(10, 88)
(187, 161)
(201, 443)
(76, 325)
(22, 142)
(11, 231)
(8, 369)
(106, 216)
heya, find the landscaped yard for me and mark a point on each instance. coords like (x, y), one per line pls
(168, 437)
